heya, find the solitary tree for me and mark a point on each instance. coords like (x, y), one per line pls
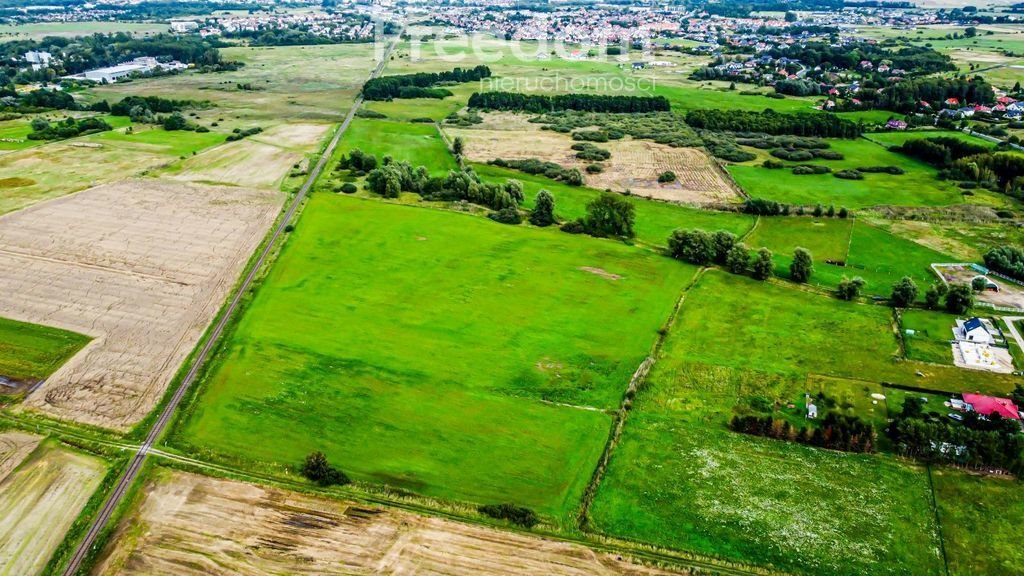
(543, 213)
(694, 246)
(317, 469)
(850, 289)
(802, 267)
(610, 215)
(738, 259)
(904, 292)
(979, 283)
(458, 146)
(40, 124)
(515, 190)
(763, 266)
(959, 299)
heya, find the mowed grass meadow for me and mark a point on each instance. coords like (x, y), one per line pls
(436, 352)
(32, 352)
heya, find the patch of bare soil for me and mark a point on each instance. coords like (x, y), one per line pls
(634, 165)
(190, 524)
(1010, 295)
(142, 266)
(601, 272)
(14, 447)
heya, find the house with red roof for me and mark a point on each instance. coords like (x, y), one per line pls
(988, 405)
(952, 102)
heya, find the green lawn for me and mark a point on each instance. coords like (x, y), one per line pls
(424, 350)
(30, 352)
(679, 479)
(826, 238)
(932, 334)
(981, 520)
(655, 221)
(158, 140)
(918, 186)
(14, 134)
(898, 138)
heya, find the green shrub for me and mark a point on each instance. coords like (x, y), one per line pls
(506, 216)
(519, 515)
(849, 175)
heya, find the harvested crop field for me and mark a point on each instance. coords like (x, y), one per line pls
(634, 164)
(191, 524)
(140, 266)
(41, 499)
(260, 161)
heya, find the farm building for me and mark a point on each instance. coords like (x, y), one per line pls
(988, 405)
(972, 330)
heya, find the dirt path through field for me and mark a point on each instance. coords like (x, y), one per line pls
(191, 524)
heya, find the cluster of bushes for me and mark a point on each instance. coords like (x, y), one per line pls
(608, 215)
(849, 175)
(894, 170)
(975, 442)
(805, 169)
(358, 162)
(464, 120)
(134, 105)
(419, 85)
(774, 123)
(598, 135)
(238, 133)
(571, 176)
(803, 155)
(67, 128)
(667, 177)
(763, 207)
(662, 127)
(765, 142)
(514, 101)
(724, 146)
(723, 248)
(589, 152)
(1007, 260)
(518, 515)
(373, 114)
(317, 469)
(836, 432)
(45, 99)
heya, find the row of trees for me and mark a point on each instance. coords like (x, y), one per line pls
(42, 129)
(763, 207)
(419, 85)
(941, 151)
(609, 215)
(570, 176)
(722, 248)
(956, 299)
(836, 432)
(537, 103)
(774, 123)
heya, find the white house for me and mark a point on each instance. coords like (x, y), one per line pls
(38, 59)
(972, 330)
(184, 26)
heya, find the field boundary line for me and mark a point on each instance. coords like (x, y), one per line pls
(131, 473)
(636, 383)
(938, 520)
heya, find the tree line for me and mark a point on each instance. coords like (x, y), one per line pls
(722, 248)
(774, 123)
(538, 103)
(1007, 260)
(420, 84)
(836, 432)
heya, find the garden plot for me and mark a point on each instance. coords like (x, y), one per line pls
(40, 500)
(140, 266)
(634, 164)
(190, 524)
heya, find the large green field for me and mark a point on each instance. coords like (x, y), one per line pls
(418, 144)
(436, 352)
(30, 352)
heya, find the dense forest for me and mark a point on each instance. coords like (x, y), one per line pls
(913, 59)
(514, 101)
(774, 123)
(420, 84)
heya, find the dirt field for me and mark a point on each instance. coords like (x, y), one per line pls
(260, 161)
(40, 500)
(635, 164)
(190, 524)
(1010, 295)
(141, 266)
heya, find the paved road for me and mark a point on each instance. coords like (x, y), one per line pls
(1009, 320)
(165, 415)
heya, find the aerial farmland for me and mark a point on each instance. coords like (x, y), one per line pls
(496, 288)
